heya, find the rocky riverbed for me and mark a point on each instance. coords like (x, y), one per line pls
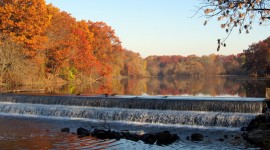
(258, 131)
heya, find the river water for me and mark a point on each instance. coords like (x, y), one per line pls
(216, 107)
(211, 86)
(34, 122)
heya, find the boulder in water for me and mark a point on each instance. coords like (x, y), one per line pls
(196, 137)
(115, 135)
(149, 138)
(131, 136)
(260, 138)
(220, 139)
(65, 130)
(101, 134)
(166, 138)
(82, 132)
(255, 123)
(258, 131)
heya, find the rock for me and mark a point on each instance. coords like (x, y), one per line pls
(221, 139)
(115, 135)
(101, 134)
(264, 126)
(175, 137)
(65, 130)
(166, 138)
(260, 138)
(130, 136)
(196, 137)
(225, 136)
(149, 138)
(82, 132)
(244, 129)
(255, 123)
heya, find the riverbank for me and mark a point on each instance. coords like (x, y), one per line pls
(258, 130)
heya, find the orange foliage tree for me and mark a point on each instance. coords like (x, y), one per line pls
(25, 21)
(106, 46)
(83, 57)
(60, 40)
(69, 49)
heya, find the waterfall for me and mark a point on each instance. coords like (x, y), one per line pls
(238, 105)
(131, 115)
(215, 112)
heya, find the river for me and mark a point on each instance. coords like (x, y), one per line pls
(215, 107)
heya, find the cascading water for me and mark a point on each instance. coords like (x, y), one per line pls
(131, 115)
(240, 105)
(158, 110)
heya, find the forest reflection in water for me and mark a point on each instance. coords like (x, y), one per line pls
(181, 86)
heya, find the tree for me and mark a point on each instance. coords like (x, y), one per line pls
(25, 21)
(83, 57)
(241, 14)
(60, 41)
(14, 68)
(106, 45)
(134, 65)
(258, 58)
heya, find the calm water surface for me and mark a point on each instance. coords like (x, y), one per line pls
(222, 86)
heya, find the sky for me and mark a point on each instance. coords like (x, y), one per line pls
(161, 27)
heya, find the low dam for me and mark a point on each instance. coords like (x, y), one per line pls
(193, 111)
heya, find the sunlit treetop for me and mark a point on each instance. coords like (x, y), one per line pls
(236, 14)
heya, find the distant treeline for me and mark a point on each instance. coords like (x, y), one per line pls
(255, 61)
(195, 66)
(40, 44)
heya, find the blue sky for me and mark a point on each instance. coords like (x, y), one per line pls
(161, 27)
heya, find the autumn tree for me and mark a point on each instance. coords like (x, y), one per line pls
(83, 57)
(11, 61)
(25, 21)
(69, 49)
(134, 65)
(239, 14)
(258, 58)
(193, 65)
(60, 41)
(106, 46)
(22, 28)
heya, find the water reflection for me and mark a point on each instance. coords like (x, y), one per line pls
(185, 86)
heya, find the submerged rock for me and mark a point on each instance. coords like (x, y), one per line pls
(160, 138)
(130, 136)
(165, 138)
(196, 137)
(149, 138)
(101, 134)
(220, 139)
(115, 135)
(65, 130)
(82, 132)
